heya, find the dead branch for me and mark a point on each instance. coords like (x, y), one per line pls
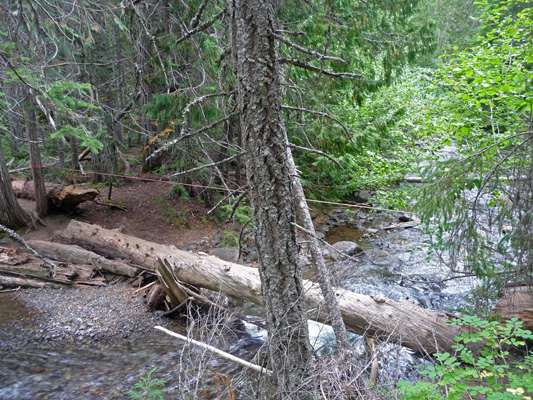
(322, 71)
(325, 115)
(201, 27)
(293, 146)
(221, 353)
(312, 53)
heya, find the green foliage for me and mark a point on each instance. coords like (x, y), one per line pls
(390, 137)
(231, 239)
(147, 388)
(88, 139)
(482, 373)
(488, 103)
(396, 199)
(242, 213)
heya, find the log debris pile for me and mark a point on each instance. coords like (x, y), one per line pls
(89, 253)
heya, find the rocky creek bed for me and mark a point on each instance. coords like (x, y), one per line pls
(94, 342)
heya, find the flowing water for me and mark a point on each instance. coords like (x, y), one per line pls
(394, 264)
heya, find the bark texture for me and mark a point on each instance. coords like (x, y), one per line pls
(263, 137)
(12, 215)
(41, 201)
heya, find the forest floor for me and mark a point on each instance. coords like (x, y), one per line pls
(152, 212)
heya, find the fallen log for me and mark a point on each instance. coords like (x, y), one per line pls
(14, 282)
(64, 197)
(26, 270)
(423, 330)
(78, 255)
(517, 302)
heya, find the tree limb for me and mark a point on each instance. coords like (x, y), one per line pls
(201, 27)
(317, 152)
(221, 353)
(19, 239)
(207, 165)
(310, 67)
(312, 53)
(322, 114)
(189, 134)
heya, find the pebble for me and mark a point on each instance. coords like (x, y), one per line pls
(79, 314)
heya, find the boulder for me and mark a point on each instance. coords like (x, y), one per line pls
(345, 247)
(229, 254)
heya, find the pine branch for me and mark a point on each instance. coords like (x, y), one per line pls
(322, 114)
(201, 27)
(207, 165)
(196, 19)
(312, 53)
(310, 67)
(293, 146)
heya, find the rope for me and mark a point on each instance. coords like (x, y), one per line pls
(347, 205)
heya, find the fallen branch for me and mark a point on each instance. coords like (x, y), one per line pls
(221, 353)
(49, 263)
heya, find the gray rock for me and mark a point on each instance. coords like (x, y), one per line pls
(229, 254)
(381, 258)
(362, 196)
(345, 247)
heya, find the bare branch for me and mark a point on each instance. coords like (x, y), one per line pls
(293, 146)
(207, 165)
(46, 261)
(295, 33)
(189, 134)
(221, 353)
(196, 20)
(201, 27)
(322, 114)
(304, 65)
(312, 53)
(241, 190)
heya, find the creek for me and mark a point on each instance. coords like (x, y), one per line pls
(394, 264)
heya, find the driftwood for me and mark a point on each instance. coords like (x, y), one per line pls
(517, 302)
(59, 196)
(77, 255)
(26, 270)
(422, 330)
(155, 297)
(408, 224)
(219, 352)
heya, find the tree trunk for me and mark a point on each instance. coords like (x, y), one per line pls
(41, 201)
(263, 137)
(12, 215)
(425, 331)
(322, 272)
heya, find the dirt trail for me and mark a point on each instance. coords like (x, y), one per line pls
(152, 214)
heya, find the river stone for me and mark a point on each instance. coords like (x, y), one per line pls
(382, 258)
(345, 247)
(226, 253)
(362, 196)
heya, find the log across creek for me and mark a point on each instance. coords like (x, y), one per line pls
(424, 331)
